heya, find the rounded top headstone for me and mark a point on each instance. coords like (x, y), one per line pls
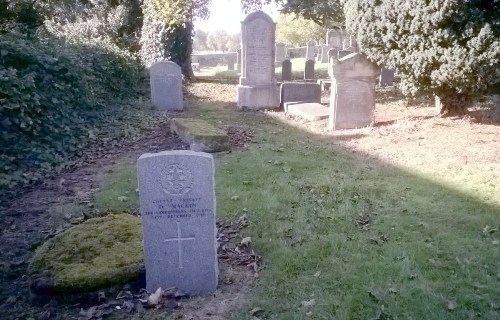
(259, 14)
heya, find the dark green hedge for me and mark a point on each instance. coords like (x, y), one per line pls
(52, 96)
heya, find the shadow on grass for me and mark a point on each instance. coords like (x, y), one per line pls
(358, 237)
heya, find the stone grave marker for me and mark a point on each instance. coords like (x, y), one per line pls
(311, 50)
(334, 39)
(177, 201)
(353, 44)
(352, 100)
(238, 59)
(343, 53)
(324, 53)
(257, 88)
(166, 86)
(309, 70)
(300, 92)
(286, 70)
(280, 52)
(386, 77)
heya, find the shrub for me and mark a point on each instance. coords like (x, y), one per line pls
(52, 95)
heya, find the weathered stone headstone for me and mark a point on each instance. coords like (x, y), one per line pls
(280, 52)
(286, 70)
(352, 99)
(334, 39)
(257, 88)
(309, 70)
(166, 86)
(238, 59)
(177, 200)
(324, 53)
(386, 77)
(300, 92)
(332, 59)
(311, 50)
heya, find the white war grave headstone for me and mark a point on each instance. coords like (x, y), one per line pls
(177, 201)
(257, 88)
(166, 86)
(352, 100)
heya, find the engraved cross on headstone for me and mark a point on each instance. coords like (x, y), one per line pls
(179, 238)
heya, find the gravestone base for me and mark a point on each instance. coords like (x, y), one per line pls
(257, 97)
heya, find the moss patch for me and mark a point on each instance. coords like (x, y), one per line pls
(99, 253)
(201, 135)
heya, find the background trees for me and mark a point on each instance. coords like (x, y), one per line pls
(296, 31)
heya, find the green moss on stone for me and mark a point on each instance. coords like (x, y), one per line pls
(98, 253)
(201, 135)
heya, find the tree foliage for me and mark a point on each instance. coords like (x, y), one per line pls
(326, 13)
(296, 31)
(450, 49)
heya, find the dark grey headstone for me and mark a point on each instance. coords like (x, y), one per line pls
(177, 200)
(286, 70)
(309, 70)
(343, 53)
(300, 92)
(311, 50)
(166, 86)
(386, 77)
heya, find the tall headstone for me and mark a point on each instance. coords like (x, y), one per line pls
(386, 78)
(286, 70)
(332, 59)
(309, 70)
(311, 50)
(257, 88)
(177, 201)
(352, 100)
(280, 53)
(166, 86)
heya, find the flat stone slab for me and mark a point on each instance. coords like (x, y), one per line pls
(200, 135)
(310, 111)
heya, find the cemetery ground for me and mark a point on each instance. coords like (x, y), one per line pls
(395, 221)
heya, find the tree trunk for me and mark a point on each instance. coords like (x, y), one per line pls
(452, 104)
(182, 47)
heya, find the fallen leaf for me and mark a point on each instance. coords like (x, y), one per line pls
(393, 291)
(246, 241)
(154, 298)
(452, 305)
(317, 274)
(235, 198)
(255, 311)
(122, 198)
(308, 303)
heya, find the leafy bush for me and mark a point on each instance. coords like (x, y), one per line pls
(449, 49)
(52, 96)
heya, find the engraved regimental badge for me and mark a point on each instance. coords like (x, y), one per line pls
(176, 179)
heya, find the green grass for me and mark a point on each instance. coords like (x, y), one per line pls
(424, 255)
(117, 192)
(430, 251)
